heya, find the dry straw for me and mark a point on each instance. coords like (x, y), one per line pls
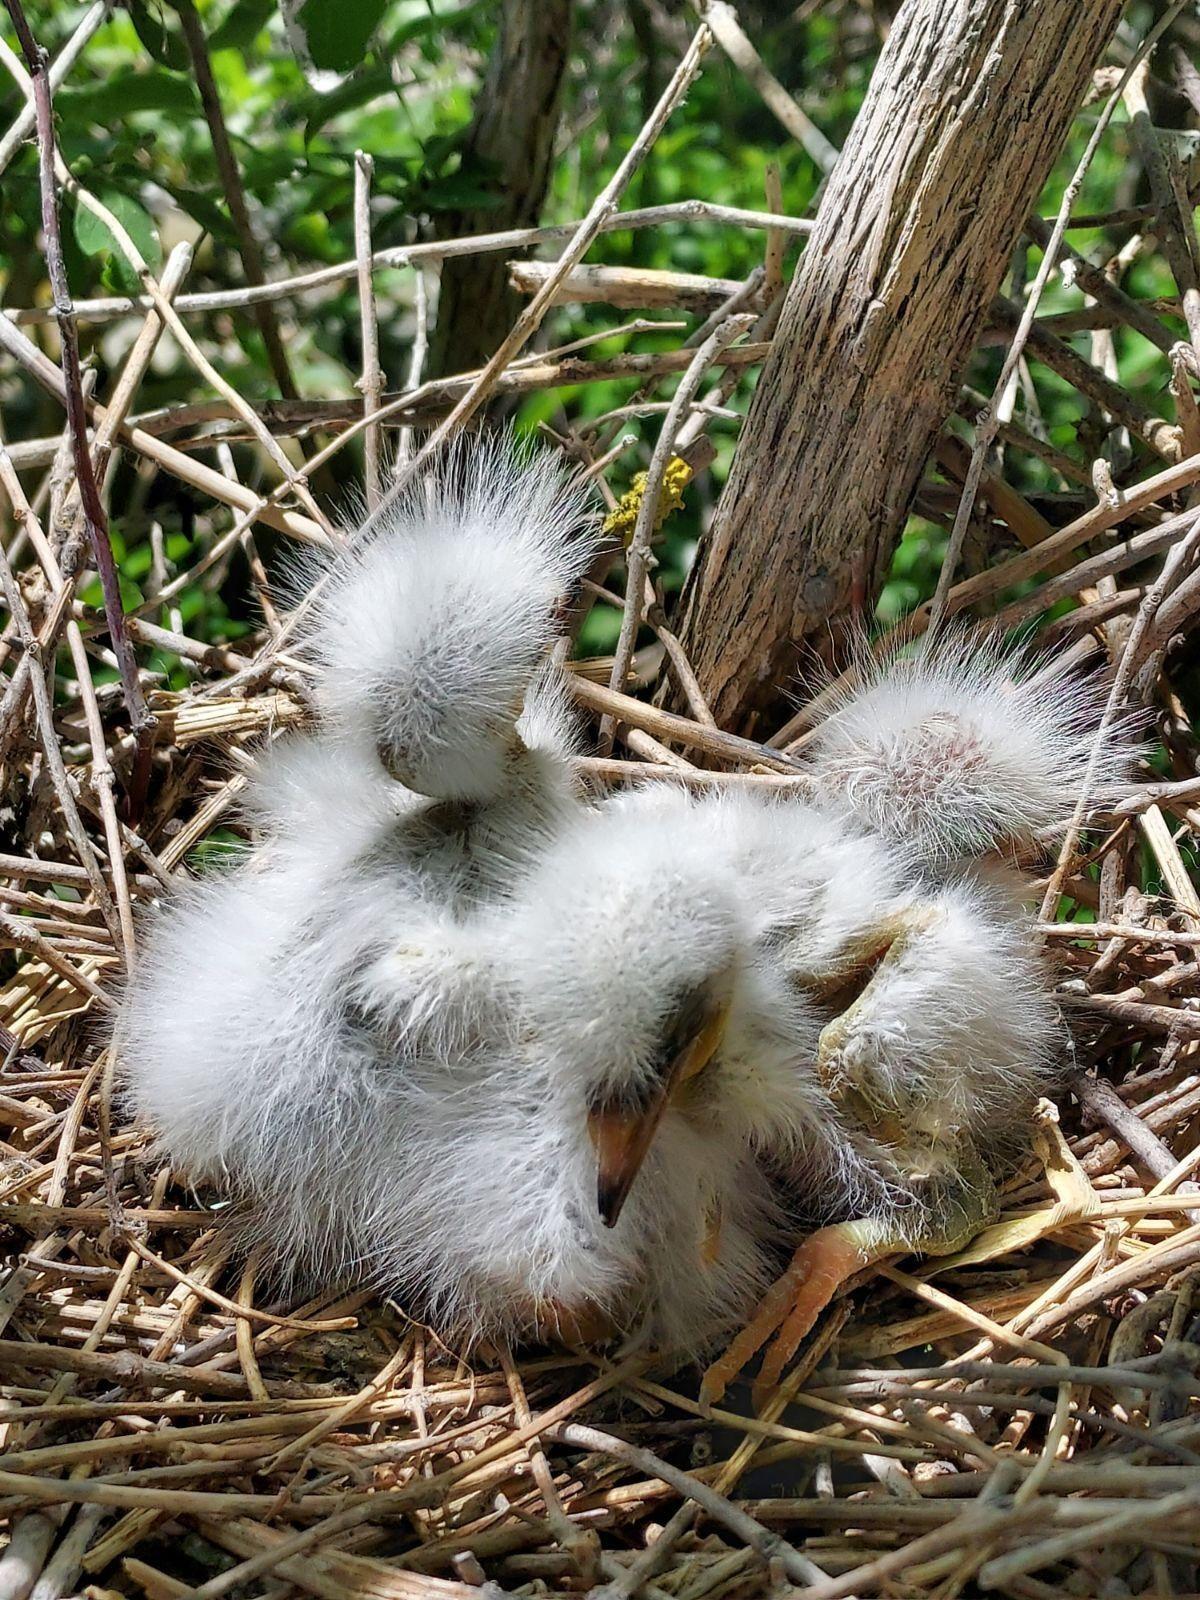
(1022, 1418)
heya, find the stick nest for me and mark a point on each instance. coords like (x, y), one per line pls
(1021, 1418)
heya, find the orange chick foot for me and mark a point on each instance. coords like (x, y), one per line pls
(793, 1303)
(585, 1323)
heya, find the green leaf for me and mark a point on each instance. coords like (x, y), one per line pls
(92, 594)
(358, 90)
(95, 238)
(429, 22)
(242, 26)
(204, 211)
(215, 853)
(338, 31)
(150, 89)
(458, 193)
(151, 28)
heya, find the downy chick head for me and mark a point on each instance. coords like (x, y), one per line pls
(628, 947)
(433, 627)
(635, 945)
(966, 746)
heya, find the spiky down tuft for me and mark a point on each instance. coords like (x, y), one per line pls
(967, 746)
(431, 628)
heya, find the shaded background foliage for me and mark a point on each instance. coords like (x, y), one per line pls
(400, 80)
(397, 79)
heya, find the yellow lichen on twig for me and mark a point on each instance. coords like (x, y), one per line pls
(623, 517)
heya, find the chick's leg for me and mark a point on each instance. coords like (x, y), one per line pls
(856, 1047)
(953, 1207)
(796, 1299)
(585, 1323)
(951, 1029)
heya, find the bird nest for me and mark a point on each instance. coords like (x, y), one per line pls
(1024, 1408)
(1020, 1417)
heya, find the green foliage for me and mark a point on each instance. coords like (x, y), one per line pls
(338, 31)
(95, 237)
(397, 78)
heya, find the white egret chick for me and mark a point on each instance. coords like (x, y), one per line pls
(288, 1015)
(941, 1036)
(719, 991)
(945, 1032)
(431, 637)
(433, 626)
(966, 746)
(622, 1178)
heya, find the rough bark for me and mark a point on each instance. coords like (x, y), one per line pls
(968, 109)
(512, 132)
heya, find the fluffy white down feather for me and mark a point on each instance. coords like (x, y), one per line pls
(323, 1028)
(966, 746)
(430, 629)
(408, 1109)
(384, 1029)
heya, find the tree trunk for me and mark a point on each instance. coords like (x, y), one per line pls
(968, 110)
(512, 133)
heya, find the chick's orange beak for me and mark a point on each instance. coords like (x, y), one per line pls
(622, 1133)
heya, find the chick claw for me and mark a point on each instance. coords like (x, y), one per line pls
(585, 1323)
(795, 1300)
(959, 1201)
